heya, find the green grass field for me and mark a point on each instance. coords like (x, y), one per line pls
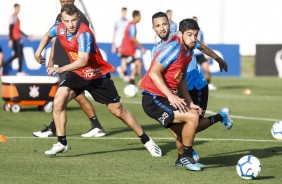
(119, 157)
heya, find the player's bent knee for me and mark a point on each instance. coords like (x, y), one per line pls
(117, 110)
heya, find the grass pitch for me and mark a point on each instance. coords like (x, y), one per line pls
(119, 157)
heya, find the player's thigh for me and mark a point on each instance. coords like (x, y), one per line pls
(190, 116)
(103, 90)
(63, 96)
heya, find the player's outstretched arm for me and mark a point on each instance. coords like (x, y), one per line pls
(222, 64)
(44, 41)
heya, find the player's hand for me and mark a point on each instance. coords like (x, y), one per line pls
(177, 102)
(40, 59)
(196, 107)
(222, 65)
(52, 70)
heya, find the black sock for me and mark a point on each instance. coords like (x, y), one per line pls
(144, 138)
(95, 122)
(178, 156)
(63, 140)
(52, 126)
(187, 151)
(214, 119)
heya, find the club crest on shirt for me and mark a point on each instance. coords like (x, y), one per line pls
(61, 31)
(178, 76)
(73, 55)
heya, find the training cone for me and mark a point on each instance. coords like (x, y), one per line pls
(3, 138)
(247, 92)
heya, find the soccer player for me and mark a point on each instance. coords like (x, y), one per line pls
(15, 39)
(199, 91)
(165, 95)
(87, 71)
(172, 24)
(127, 49)
(119, 29)
(197, 86)
(60, 58)
(202, 60)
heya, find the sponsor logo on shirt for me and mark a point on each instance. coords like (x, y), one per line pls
(61, 31)
(178, 76)
(73, 55)
(92, 72)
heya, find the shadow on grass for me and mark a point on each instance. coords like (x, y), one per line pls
(103, 152)
(114, 131)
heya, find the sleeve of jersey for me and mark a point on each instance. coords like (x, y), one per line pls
(196, 49)
(53, 30)
(86, 43)
(169, 53)
(132, 31)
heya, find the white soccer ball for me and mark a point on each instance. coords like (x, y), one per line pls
(276, 130)
(248, 167)
(130, 90)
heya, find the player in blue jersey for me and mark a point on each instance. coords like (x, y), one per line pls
(197, 86)
(202, 60)
(173, 25)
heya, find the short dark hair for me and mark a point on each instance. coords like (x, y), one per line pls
(124, 9)
(135, 13)
(158, 15)
(187, 24)
(69, 9)
(16, 5)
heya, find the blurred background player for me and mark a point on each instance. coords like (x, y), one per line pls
(119, 29)
(128, 48)
(60, 58)
(173, 25)
(202, 60)
(15, 40)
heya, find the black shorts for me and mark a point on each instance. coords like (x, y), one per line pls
(158, 108)
(129, 59)
(102, 90)
(201, 59)
(63, 75)
(200, 98)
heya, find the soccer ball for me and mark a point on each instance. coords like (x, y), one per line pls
(248, 167)
(130, 90)
(276, 130)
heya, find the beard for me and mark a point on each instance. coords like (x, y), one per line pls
(164, 37)
(188, 47)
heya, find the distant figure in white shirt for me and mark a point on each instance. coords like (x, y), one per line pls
(119, 29)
